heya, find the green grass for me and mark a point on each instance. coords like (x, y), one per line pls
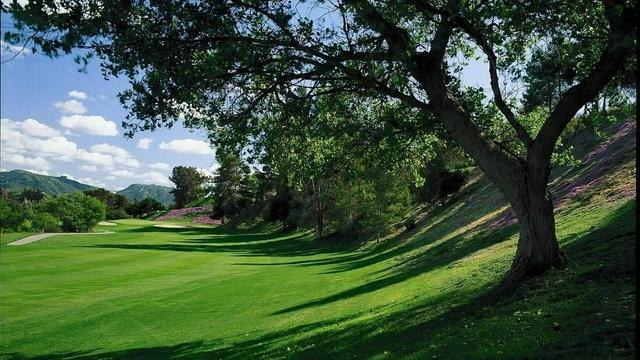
(202, 292)
(6, 238)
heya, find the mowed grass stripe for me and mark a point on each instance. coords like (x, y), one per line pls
(204, 292)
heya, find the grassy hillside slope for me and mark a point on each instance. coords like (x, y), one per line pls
(138, 192)
(17, 180)
(207, 292)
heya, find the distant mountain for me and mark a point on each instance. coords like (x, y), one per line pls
(140, 191)
(17, 180)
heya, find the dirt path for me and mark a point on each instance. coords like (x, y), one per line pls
(32, 238)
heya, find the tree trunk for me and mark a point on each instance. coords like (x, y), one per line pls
(319, 207)
(538, 248)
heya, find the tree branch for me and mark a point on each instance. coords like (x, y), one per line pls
(480, 40)
(619, 45)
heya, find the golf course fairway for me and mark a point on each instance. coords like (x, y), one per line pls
(208, 292)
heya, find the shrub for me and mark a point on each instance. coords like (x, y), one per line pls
(78, 212)
(11, 214)
(410, 223)
(25, 226)
(31, 195)
(450, 183)
(144, 207)
(439, 182)
(117, 214)
(46, 222)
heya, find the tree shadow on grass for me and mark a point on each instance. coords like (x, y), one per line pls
(469, 240)
(217, 232)
(458, 324)
(480, 198)
(437, 256)
(297, 244)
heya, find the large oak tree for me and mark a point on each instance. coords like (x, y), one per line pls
(219, 64)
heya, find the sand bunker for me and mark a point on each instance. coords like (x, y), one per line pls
(107, 223)
(170, 226)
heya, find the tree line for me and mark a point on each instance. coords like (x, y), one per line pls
(32, 210)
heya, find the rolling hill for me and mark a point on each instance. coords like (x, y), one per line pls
(17, 180)
(137, 192)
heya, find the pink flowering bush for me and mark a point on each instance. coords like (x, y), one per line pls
(196, 212)
(602, 160)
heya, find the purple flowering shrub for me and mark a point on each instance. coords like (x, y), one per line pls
(604, 159)
(198, 215)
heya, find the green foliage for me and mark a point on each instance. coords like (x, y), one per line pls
(439, 181)
(25, 226)
(115, 214)
(188, 184)
(71, 212)
(31, 195)
(143, 208)
(45, 222)
(367, 203)
(554, 68)
(12, 213)
(111, 200)
(234, 187)
(77, 211)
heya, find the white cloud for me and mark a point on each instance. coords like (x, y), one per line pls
(205, 172)
(123, 173)
(68, 176)
(144, 143)
(160, 166)
(8, 51)
(120, 155)
(36, 171)
(110, 149)
(71, 107)
(33, 145)
(90, 168)
(187, 146)
(35, 128)
(90, 124)
(77, 94)
(38, 163)
(92, 182)
(154, 177)
(15, 140)
(30, 127)
(95, 158)
(151, 177)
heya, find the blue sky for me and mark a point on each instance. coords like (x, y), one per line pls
(82, 109)
(59, 121)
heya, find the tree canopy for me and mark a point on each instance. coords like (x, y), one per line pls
(188, 184)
